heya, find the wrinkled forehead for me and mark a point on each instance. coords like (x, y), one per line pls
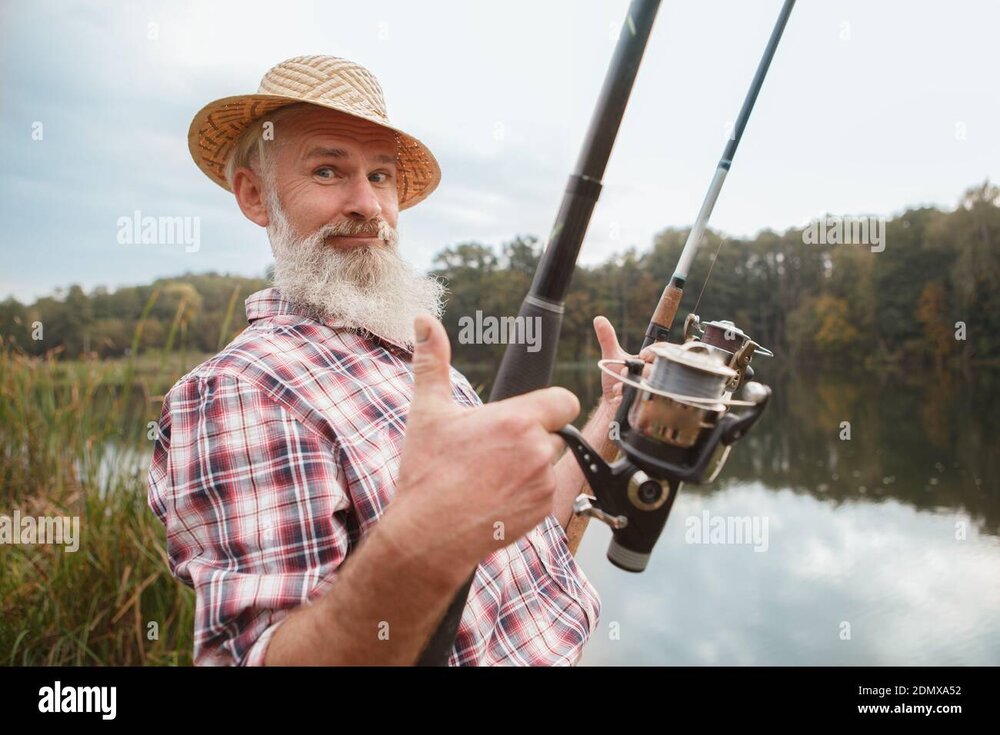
(311, 128)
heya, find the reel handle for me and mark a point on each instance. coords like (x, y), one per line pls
(634, 505)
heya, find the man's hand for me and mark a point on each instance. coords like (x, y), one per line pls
(611, 389)
(472, 480)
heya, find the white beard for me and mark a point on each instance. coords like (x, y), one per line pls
(369, 287)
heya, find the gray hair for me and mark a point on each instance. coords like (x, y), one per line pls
(251, 149)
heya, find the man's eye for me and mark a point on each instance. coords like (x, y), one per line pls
(385, 177)
(325, 172)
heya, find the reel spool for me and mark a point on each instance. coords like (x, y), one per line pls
(682, 395)
(677, 406)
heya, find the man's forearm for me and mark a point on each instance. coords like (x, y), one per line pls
(382, 608)
(569, 476)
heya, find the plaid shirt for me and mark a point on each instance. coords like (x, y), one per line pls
(276, 457)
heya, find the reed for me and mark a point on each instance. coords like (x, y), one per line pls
(74, 442)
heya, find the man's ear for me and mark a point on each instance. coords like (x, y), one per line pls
(250, 196)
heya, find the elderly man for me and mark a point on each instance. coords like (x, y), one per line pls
(311, 532)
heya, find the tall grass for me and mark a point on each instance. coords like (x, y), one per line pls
(73, 442)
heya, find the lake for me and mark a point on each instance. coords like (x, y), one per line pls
(881, 549)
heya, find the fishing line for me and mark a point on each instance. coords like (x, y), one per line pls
(711, 267)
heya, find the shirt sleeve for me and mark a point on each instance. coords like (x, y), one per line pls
(254, 509)
(551, 544)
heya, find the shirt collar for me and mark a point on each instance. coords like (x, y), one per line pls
(270, 303)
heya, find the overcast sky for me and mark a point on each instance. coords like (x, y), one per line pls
(869, 107)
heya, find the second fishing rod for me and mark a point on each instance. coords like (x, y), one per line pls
(676, 422)
(666, 309)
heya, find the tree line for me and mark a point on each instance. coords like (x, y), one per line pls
(929, 294)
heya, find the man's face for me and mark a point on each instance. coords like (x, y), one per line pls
(331, 169)
(328, 197)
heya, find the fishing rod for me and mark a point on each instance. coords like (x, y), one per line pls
(666, 309)
(522, 371)
(676, 422)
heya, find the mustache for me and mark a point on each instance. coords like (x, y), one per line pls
(376, 228)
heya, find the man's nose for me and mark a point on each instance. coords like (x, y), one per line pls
(361, 203)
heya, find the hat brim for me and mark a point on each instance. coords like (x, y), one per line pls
(218, 125)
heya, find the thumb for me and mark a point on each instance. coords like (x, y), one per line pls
(431, 361)
(606, 337)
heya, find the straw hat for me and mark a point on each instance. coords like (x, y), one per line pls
(325, 81)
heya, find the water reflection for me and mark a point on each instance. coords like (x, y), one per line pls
(882, 547)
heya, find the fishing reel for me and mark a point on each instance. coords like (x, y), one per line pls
(673, 426)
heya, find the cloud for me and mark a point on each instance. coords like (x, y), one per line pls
(503, 95)
(911, 592)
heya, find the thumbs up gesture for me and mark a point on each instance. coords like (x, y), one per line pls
(472, 480)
